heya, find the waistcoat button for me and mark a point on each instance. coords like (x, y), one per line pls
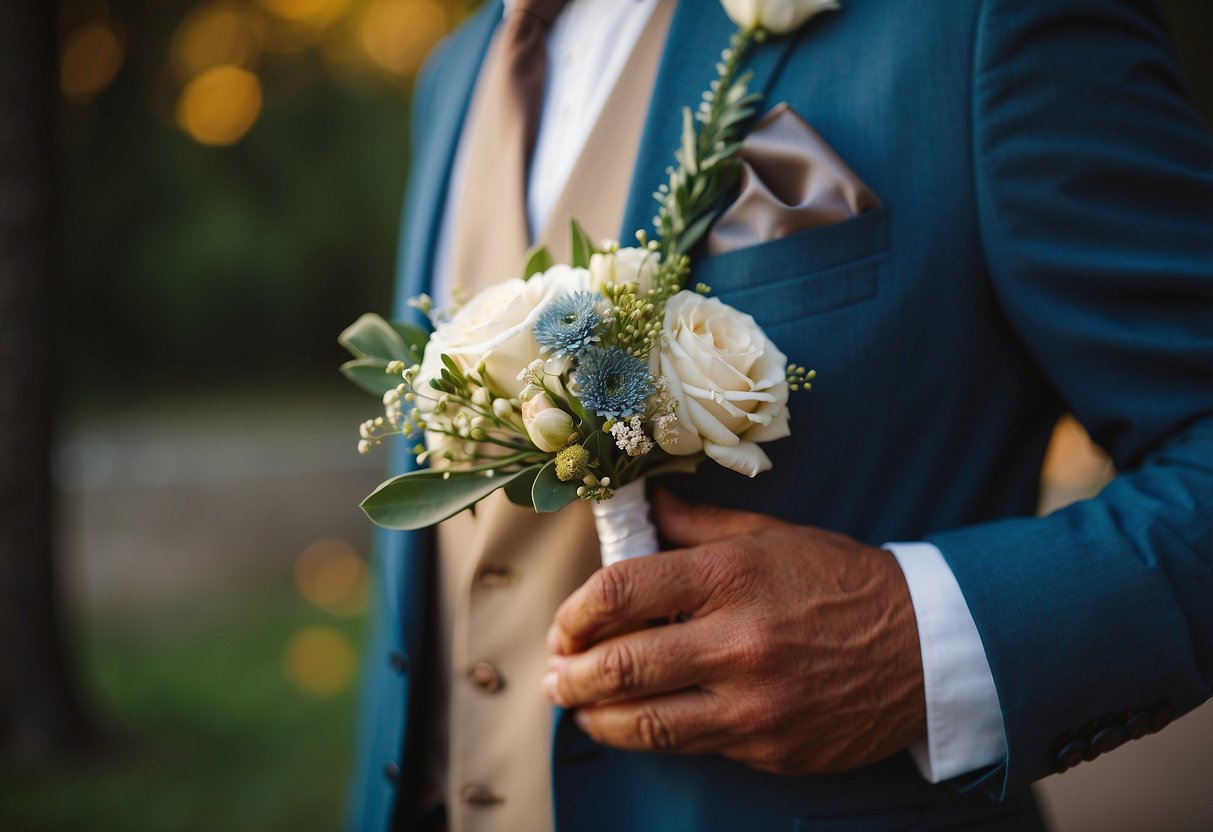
(486, 677)
(474, 795)
(495, 576)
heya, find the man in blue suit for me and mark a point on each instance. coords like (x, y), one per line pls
(1044, 243)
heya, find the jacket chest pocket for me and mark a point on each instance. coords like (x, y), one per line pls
(804, 274)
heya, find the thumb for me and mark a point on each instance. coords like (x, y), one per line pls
(685, 525)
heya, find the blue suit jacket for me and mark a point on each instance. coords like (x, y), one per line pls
(1046, 244)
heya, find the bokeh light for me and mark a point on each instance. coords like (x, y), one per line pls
(92, 56)
(311, 12)
(321, 660)
(220, 105)
(214, 35)
(398, 34)
(332, 575)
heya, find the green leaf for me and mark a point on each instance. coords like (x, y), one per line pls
(694, 233)
(372, 337)
(453, 368)
(599, 444)
(420, 499)
(415, 338)
(582, 246)
(549, 493)
(519, 490)
(588, 421)
(370, 374)
(689, 141)
(538, 260)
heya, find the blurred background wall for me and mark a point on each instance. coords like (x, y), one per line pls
(220, 187)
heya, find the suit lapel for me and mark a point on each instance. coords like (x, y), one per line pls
(439, 138)
(698, 33)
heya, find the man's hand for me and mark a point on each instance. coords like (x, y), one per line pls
(796, 650)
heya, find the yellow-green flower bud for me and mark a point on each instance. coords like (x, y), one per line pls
(571, 462)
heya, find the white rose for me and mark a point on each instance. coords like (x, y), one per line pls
(778, 17)
(495, 327)
(625, 265)
(548, 426)
(729, 380)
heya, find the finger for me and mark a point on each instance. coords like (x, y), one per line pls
(637, 665)
(688, 525)
(639, 589)
(688, 722)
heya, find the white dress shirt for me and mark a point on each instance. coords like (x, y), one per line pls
(587, 48)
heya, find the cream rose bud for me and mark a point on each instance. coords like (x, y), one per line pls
(548, 426)
(729, 380)
(778, 17)
(625, 265)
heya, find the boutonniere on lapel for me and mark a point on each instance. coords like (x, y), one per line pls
(579, 380)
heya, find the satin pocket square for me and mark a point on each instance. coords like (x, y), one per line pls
(791, 180)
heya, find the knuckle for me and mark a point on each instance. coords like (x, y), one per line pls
(755, 646)
(609, 591)
(756, 717)
(618, 670)
(653, 732)
(725, 569)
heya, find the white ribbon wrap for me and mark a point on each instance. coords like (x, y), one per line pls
(624, 528)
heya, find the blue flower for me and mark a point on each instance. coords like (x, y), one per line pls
(613, 383)
(566, 326)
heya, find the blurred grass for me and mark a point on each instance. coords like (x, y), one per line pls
(208, 732)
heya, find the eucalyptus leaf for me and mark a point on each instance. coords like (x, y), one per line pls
(371, 375)
(372, 337)
(549, 493)
(582, 246)
(420, 499)
(415, 338)
(519, 489)
(538, 260)
(599, 445)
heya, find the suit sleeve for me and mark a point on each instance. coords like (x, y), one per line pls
(1094, 181)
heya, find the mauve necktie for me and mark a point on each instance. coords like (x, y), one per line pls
(492, 235)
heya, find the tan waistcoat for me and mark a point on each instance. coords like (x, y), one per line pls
(504, 570)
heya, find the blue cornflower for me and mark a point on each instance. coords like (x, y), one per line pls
(613, 383)
(566, 326)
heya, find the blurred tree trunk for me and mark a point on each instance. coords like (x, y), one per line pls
(1192, 25)
(40, 713)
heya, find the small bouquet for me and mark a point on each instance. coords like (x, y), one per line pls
(579, 380)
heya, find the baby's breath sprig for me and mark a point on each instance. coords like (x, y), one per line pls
(800, 378)
(708, 167)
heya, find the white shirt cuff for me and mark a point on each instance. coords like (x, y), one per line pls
(964, 720)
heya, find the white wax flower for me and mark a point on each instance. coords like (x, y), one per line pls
(729, 380)
(548, 426)
(778, 17)
(625, 265)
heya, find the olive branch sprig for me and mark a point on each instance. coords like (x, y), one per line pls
(707, 165)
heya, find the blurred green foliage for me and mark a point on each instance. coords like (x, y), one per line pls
(185, 263)
(212, 735)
